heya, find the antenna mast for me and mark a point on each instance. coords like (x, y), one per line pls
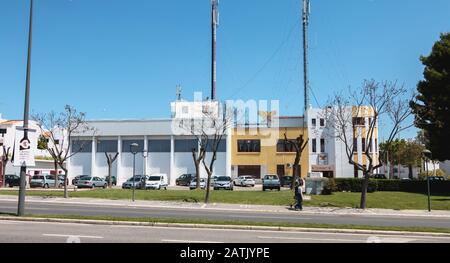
(215, 22)
(306, 14)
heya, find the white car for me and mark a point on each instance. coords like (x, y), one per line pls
(245, 180)
(156, 181)
(193, 184)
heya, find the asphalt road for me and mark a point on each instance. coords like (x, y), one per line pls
(37, 232)
(211, 214)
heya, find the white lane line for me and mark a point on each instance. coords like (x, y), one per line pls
(187, 241)
(313, 239)
(61, 235)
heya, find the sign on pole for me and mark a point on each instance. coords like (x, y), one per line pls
(24, 148)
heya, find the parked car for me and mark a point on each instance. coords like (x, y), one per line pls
(436, 178)
(193, 184)
(213, 179)
(75, 180)
(156, 181)
(113, 180)
(245, 180)
(137, 183)
(44, 181)
(223, 182)
(286, 181)
(271, 181)
(12, 180)
(91, 182)
(380, 176)
(184, 179)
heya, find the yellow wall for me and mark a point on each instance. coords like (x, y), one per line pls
(269, 156)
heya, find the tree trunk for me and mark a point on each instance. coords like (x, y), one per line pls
(109, 175)
(197, 174)
(365, 184)
(66, 193)
(55, 163)
(208, 183)
(3, 173)
(410, 172)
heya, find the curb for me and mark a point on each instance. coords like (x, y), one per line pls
(224, 227)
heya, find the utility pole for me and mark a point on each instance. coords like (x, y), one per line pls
(214, 23)
(23, 168)
(306, 14)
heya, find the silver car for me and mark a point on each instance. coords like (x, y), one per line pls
(44, 181)
(223, 182)
(193, 184)
(91, 182)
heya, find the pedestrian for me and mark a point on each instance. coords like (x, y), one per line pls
(299, 195)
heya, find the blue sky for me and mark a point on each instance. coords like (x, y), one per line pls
(116, 59)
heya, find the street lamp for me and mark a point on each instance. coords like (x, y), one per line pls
(134, 150)
(427, 156)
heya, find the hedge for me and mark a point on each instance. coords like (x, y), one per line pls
(411, 186)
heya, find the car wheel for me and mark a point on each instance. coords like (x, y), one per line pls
(264, 189)
(93, 186)
(279, 189)
(9, 185)
(215, 188)
(104, 187)
(45, 186)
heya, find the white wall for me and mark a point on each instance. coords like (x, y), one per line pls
(80, 164)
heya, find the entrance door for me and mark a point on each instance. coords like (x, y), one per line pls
(280, 170)
(253, 170)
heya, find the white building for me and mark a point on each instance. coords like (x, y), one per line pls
(164, 146)
(44, 163)
(327, 153)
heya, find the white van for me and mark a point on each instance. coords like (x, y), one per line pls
(156, 181)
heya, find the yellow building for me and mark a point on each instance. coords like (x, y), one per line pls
(260, 150)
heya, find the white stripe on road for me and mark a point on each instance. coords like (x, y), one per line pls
(60, 235)
(187, 241)
(312, 239)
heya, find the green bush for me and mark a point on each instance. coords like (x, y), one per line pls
(436, 187)
(388, 185)
(354, 185)
(330, 186)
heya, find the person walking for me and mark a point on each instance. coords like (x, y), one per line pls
(299, 195)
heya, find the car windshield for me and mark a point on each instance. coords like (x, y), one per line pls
(154, 178)
(223, 178)
(86, 178)
(38, 177)
(137, 179)
(202, 180)
(271, 177)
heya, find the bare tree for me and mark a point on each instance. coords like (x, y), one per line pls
(60, 130)
(110, 159)
(358, 117)
(208, 130)
(5, 160)
(299, 144)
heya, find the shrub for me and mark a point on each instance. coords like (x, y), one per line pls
(354, 185)
(388, 185)
(329, 187)
(436, 187)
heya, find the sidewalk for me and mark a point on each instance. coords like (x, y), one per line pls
(232, 207)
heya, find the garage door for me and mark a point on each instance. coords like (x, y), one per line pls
(253, 170)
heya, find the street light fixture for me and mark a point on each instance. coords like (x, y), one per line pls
(427, 156)
(134, 150)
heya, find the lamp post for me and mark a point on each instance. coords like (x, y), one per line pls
(427, 156)
(134, 150)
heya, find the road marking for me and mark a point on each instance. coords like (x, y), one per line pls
(187, 241)
(61, 235)
(312, 239)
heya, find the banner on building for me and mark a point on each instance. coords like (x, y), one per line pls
(24, 148)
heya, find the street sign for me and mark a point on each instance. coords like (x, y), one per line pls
(24, 148)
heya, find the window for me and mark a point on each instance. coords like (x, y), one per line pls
(322, 145)
(126, 146)
(107, 146)
(314, 123)
(355, 145)
(322, 122)
(376, 145)
(222, 147)
(363, 144)
(359, 121)
(83, 146)
(159, 146)
(355, 171)
(314, 146)
(249, 146)
(186, 145)
(283, 147)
